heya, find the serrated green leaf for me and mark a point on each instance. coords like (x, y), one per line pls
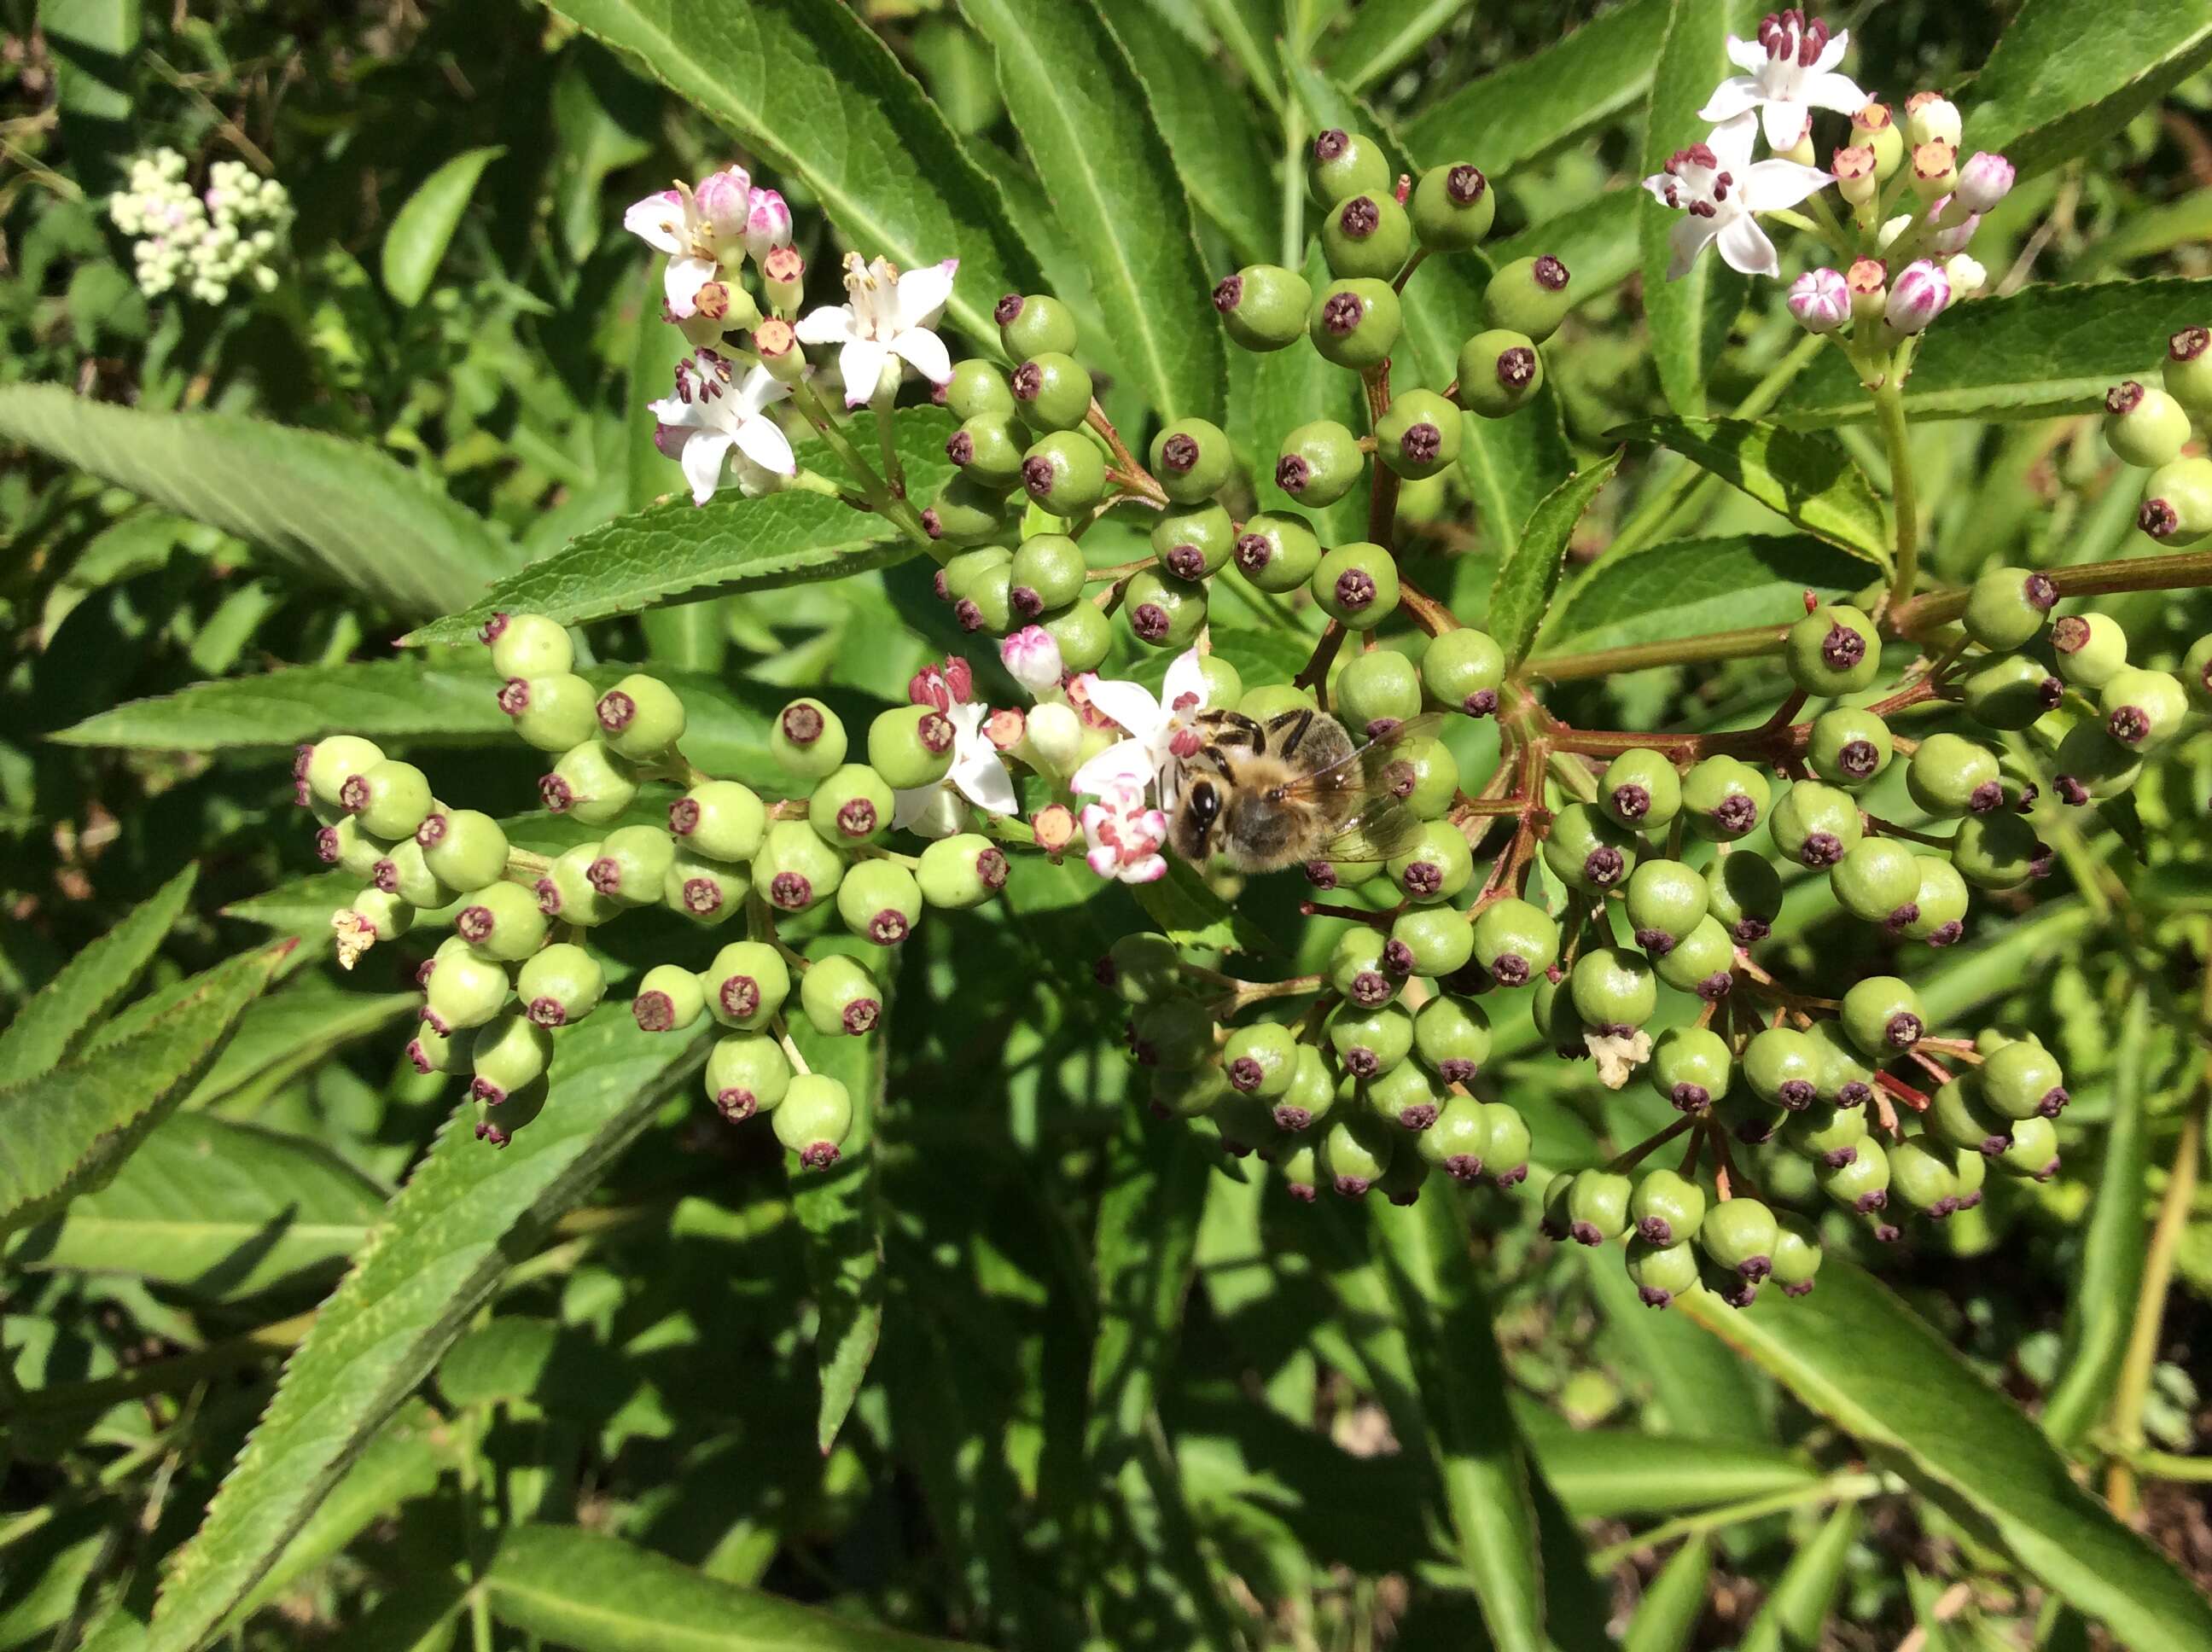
(811, 88)
(1529, 576)
(1219, 152)
(2041, 352)
(423, 227)
(841, 1211)
(65, 1133)
(1807, 478)
(2100, 1306)
(1384, 33)
(465, 1214)
(286, 1034)
(62, 1010)
(1689, 319)
(1688, 587)
(677, 551)
(1513, 114)
(339, 511)
(217, 1209)
(577, 1589)
(2067, 75)
(1084, 120)
(1858, 1356)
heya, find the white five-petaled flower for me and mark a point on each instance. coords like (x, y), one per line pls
(694, 228)
(1161, 732)
(978, 774)
(885, 315)
(1125, 834)
(1718, 188)
(1788, 71)
(713, 415)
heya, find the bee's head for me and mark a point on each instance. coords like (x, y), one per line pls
(1193, 828)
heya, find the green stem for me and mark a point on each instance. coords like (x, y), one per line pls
(808, 400)
(110, 1476)
(1293, 181)
(1834, 237)
(894, 467)
(2185, 570)
(1837, 1488)
(1642, 656)
(1889, 407)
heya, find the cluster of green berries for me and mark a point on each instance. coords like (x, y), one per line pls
(1026, 437)
(517, 968)
(2148, 426)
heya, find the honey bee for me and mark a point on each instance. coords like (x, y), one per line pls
(1263, 797)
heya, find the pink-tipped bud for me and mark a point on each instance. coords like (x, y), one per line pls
(1931, 117)
(928, 687)
(768, 223)
(1985, 181)
(1921, 292)
(1032, 658)
(1820, 301)
(722, 199)
(1854, 168)
(779, 351)
(1868, 281)
(1954, 236)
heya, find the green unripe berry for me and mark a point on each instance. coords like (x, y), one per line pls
(1406, 1096)
(747, 1073)
(1452, 1038)
(1065, 472)
(911, 746)
(1368, 234)
(1261, 1060)
(1458, 1141)
(1924, 1176)
(1245, 1124)
(1312, 1092)
(1263, 306)
(1355, 323)
(462, 848)
(1435, 866)
(708, 892)
(1846, 1078)
(1193, 461)
(1425, 775)
(1083, 634)
(1613, 989)
(1951, 776)
(1939, 904)
(1849, 747)
(1782, 1066)
(502, 922)
(552, 713)
(1277, 552)
(1689, 1066)
(2196, 673)
(1453, 207)
(1142, 968)
(404, 873)
(1270, 700)
(1641, 791)
(851, 806)
(2089, 648)
(1419, 436)
(464, 990)
(1035, 324)
(1507, 1158)
(2008, 606)
(1500, 371)
(1464, 668)
(1165, 613)
(1828, 1134)
(1882, 1015)
(1878, 881)
(2022, 1080)
(1370, 1043)
(511, 1052)
(633, 865)
(1356, 970)
(590, 782)
(431, 1051)
(1726, 798)
(1588, 851)
(1860, 1183)
(879, 902)
(814, 1118)
(1666, 1207)
(1744, 892)
(967, 512)
(841, 996)
(969, 575)
(1972, 1169)
(1340, 163)
(1356, 585)
(1662, 1272)
(560, 985)
(528, 645)
(963, 872)
(1433, 941)
(2177, 501)
(1301, 1172)
(746, 985)
(1529, 295)
(1355, 1152)
(2032, 1152)
(2189, 369)
(1047, 572)
(2142, 709)
(2010, 692)
(641, 717)
(1958, 1113)
(1320, 462)
(987, 450)
(386, 914)
(1817, 825)
(1192, 542)
(1796, 1256)
(1702, 961)
(389, 799)
(977, 389)
(1833, 651)
(1378, 686)
(1998, 851)
(1516, 941)
(566, 890)
(2145, 425)
(795, 868)
(1597, 1206)
(1176, 1033)
(1740, 1235)
(720, 819)
(1666, 900)
(334, 760)
(1052, 392)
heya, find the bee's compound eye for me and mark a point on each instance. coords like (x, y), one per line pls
(1205, 802)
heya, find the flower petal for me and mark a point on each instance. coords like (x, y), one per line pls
(1736, 96)
(983, 781)
(658, 221)
(1687, 239)
(1185, 675)
(1731, 141)
(1747, 55)
(1784, 120)
(762, 442)
(1130, 704)
(1772, 184)
(922, 295)
(832, 324)
(860, 363)
(702, 464)
(1126, 763)
(927, 351)
(1658, 184)
(1149, 870)
(687, 415)
(683, 281)
(1744, 247)
(1840, 92)
(1832, 53)
(928, 812)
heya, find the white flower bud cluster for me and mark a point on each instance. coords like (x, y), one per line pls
(231, 231)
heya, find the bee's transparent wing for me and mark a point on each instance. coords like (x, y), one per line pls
(1380, 825)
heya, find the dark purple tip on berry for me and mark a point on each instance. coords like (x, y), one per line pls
(418, 1055)
(1455, 1070)
(1361, 1062)
(1304, 1192)
(549, 1012)
(1483, 702)
(1903, 1031)
(1656, 1230)
(790, 890)
(936, 733)
(1102, 971)
(2158, 519)
(1946, 934)
(1423, 878)
(1465, 1169)
(1512, 1178)
(2054, 1102)
(736, 1105)
(604, 875)
(1037, 475)
(2129, 725)
(549, 896)
(655, 1011)
(2042, 859)
(1253, 552)
(1796, 1094)
(1151, 622)
(1751, 1269)
(1359, 217)
(1736, 813)
(2040, 592)
(1821, 849)
(1400, 775)
(1420, 1116)
(486, 1092)
(1852, 1093)
(1321, 874)
(1551, 274)
(861, 1015)
(385, 876)
(888, 927)
(2189, 344)
(1689, 1097)
(1342, 314)
(1631, 802)
(934, 525)
(818, 1154)
(353, 796)
(1422, 443)
(1652, 1297)
(1292, 473)
(1903, 918)
(1655, 943)
(1370, 989)
(960, 447)
(1802, 1288)
(1288, 1117)
(1186, 562)
(2071, 791)
(432, 832)
(1246, 1074)
(802, 724)
(1989, 795)
(1586, 1233)
(1397, 957)
(1858, 758)
(1026, 601)
(1028, 380)
(616, 709)
(1007, 308)
(1603, 865)
(1228, 292)
(1352, 1186)
(703, 897)
(474, 923)
(2124, 397)
(1330, 143)
(1179, 453)
(740, 996)
(1837, 1157)
(1510, 968)
(991, 868)
(492, 629)
(1464, 184)
(326, 843)
(970, 615)
(683, 817)
(1842, 649)
(857, 818)
(1867, 1203)
(1717, 985)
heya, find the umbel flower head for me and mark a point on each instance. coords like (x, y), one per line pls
(886, 315)
(697, 228)
(1718, 189)
(978, 774)
(1788, 71)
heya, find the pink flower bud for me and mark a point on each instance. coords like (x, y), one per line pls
(928, 687)
(1820, 300)
(1032, 658)
(1921, 292)
(722, 200)
(1854, 169)
(1984, 180)
(767, 224)
(1953, 237)
(1003, 729)
(960, 677)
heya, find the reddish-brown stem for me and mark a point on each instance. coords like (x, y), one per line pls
(1427, 613)
(1355, 914)
(1650, 1144)
(1891, 829)
(1139, 480)
(1316, 672)
(1916, 1100)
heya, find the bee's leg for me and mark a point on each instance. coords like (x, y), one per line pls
(1297, 723)
(1253, 735)
(1219, 758)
